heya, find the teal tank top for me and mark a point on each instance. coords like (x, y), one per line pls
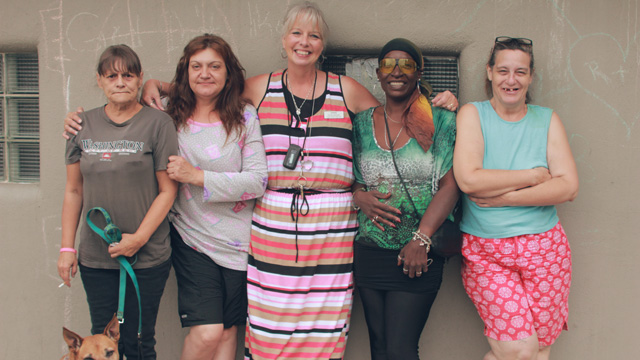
(511, 146)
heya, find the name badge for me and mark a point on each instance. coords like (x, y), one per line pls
(333, 114)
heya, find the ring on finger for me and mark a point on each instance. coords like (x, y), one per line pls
(405, 270)
(375, 218)
(418, 273)
(400, 258)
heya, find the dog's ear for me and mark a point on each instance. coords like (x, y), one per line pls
(73, 340)
(112, 331)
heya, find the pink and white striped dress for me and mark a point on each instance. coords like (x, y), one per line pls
(300, 283)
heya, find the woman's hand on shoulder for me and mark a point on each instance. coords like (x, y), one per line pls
(72, 123)
(446, 100)
(376, 210)
(357, 97)
(151, 94)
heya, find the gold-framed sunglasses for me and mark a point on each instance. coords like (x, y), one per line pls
(507, 40)
(407, 66)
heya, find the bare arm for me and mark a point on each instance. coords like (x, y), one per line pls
(468, 158)
(357, 97)
(71, 208)
(255, 87)
(414, 256)
(561, 187)
(131, 243)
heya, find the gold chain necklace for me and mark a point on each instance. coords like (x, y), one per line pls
(386, 135)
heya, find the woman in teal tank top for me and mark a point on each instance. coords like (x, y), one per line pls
(513, 162)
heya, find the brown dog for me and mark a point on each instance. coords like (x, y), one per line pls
(96, 347)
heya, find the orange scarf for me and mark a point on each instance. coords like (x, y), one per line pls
(419, 120)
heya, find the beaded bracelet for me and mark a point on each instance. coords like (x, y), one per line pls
(353, 196)
(424, 239)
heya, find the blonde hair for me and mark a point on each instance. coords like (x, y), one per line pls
(307, 12)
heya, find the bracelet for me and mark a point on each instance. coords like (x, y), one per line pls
(353, 203)
(424, 239)
(72, 250)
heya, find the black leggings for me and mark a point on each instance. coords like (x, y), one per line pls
(395, 320)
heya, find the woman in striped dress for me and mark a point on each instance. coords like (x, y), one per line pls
(300, 284)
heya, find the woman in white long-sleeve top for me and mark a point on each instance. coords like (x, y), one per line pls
(222, 169)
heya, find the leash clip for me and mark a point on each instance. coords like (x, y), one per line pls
(111, 234)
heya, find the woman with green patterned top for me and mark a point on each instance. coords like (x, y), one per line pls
(397, 277)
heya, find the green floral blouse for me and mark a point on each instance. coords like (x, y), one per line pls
(421, 172)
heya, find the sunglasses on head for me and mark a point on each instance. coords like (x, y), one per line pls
(508, 40)
(407, 66)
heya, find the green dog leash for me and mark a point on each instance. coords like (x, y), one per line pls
(112, 234)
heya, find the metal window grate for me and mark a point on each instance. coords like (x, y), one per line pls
(22, 73)
(23, 118)
(19, 118)
(440, 71)
(25, 158)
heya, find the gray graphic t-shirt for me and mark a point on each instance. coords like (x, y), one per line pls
(118, 163)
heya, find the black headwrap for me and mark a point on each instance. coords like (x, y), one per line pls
(418, 116)
(403, 45)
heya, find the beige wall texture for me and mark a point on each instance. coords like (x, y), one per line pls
(587, 56)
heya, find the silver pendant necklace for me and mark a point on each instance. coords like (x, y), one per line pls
(299, 108)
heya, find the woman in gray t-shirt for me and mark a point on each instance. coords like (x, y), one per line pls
(118, 161)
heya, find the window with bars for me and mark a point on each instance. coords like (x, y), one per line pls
(19, 118)
(439, 71)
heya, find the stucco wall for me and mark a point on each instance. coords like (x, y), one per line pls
(587, 59)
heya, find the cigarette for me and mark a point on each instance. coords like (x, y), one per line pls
(61, 285)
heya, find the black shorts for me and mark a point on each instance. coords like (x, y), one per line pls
(207, 292)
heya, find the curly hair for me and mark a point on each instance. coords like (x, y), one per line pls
(230, 103)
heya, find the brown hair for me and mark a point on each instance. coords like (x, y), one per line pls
(230, 104)
(119, 56)
(513, 44)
